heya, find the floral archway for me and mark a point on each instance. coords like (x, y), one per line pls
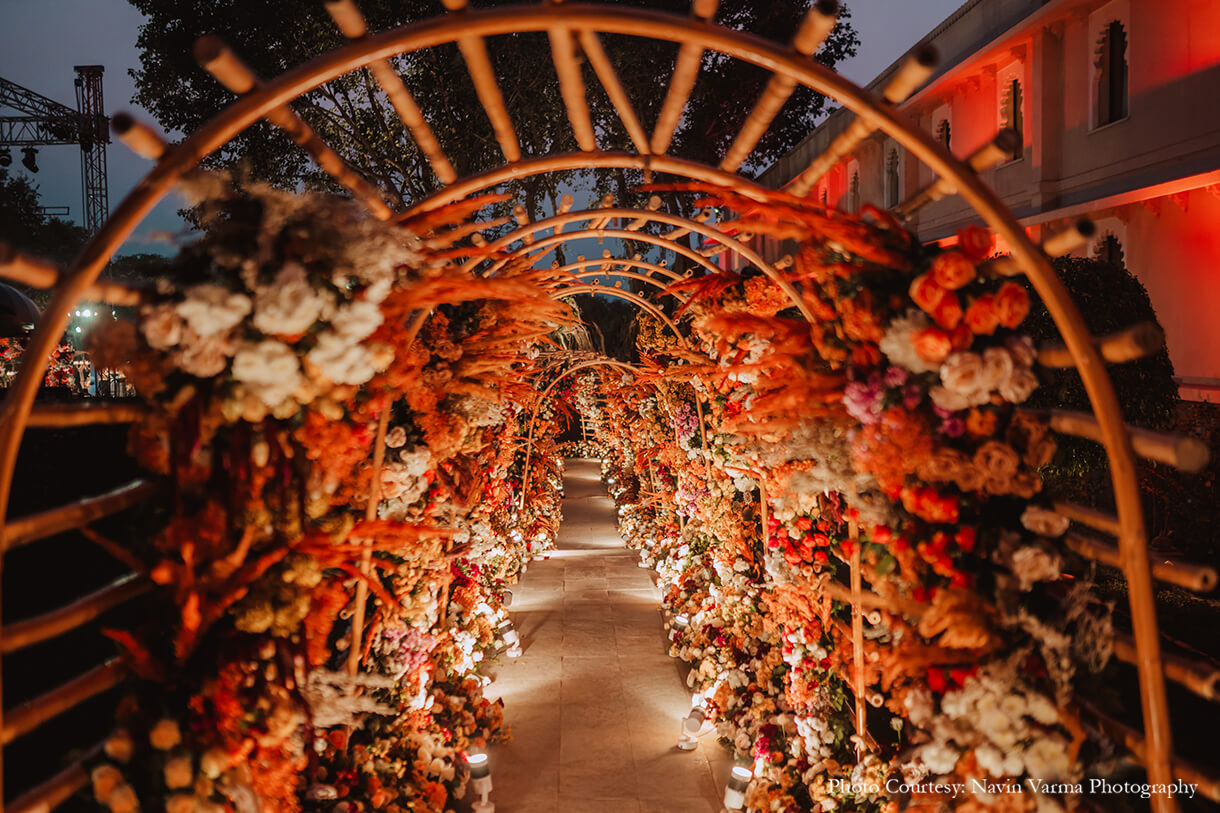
(352, 433)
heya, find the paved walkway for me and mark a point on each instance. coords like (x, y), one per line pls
(595, 703)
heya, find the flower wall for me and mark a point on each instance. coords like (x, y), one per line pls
(883, 441)
(336, 412)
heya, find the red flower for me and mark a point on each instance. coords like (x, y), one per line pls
(965, 538)
(974, 242)
(926, 293)
(961, 337)
(982, 317)
(951, 270)
(948, 313)
(1012, 304)
(936, 680)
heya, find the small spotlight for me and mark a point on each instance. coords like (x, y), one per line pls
(28, 161)
(506, 631)
(480, 780)
(681, 622)
(735, 790)
(506, 598)
(6, 157)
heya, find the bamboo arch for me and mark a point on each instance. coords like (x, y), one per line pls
(788, 66)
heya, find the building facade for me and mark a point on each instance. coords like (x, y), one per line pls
(1118, 106)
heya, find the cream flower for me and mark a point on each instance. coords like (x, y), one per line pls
(203, 356)
(963, 374)
(289, 305)
(341, 360)
(119, 746)
(396, 437)
(268, 369)
(105, 779)
(161, 326)
(123, 799)
(165, 735)
(212, 308)
(1033, 564)
(1044, 522)
(1019, 386)
(178, 773)
(357, 320)
(997, 369)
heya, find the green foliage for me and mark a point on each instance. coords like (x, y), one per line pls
(1110, 299)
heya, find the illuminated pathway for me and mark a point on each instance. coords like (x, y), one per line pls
(595, 703)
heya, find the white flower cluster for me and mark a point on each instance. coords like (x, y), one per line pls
(1011, 728)
(969, 379)
(286, 330)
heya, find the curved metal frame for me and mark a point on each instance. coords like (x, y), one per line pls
(781, 62)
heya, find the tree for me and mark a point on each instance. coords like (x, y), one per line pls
(351, 114)
(26, 228)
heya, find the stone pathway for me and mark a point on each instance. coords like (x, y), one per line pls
(595, 703)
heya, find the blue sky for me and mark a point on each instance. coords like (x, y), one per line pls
(40, 41)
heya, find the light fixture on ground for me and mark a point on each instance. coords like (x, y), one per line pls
(506, 598)
(480, 780)
(513, 641)
(735, 790)
(694, 725)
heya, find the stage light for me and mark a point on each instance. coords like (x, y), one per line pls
(6, 157)
(28, 161)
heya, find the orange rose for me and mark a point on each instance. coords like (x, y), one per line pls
(932, 345)
(981, 424)
(981, 316)
(926, 293)
(1011, 304)
(974, 242)
(948, 313)
(952, 270)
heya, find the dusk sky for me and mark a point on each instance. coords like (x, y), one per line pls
(40, 41)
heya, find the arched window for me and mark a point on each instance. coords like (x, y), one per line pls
(853, 197)
(1110, 74)
(943, 134)
(892, 185)
(1013, 118)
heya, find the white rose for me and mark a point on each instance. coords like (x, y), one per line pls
(1019, 386)
(1044, 522)
(940, 758)
(963, 374)
(357, 320)
(1022, 349)
(997, 368)
(951, 401)
(289, 305)
(269, 369)
(1032, 564)
(203, 356)
(341, 360)
(212, 308)
(161, 325)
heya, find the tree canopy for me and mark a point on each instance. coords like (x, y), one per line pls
(354, 117)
